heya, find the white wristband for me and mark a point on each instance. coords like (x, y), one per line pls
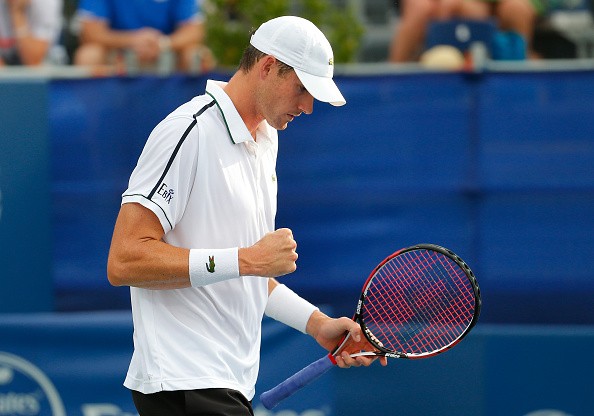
(209, 266)
(288, 307)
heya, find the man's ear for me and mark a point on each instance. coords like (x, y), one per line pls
(266, 65)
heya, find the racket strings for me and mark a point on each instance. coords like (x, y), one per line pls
(419, 302)
(438, 314)
(452, 309)
(434, 304)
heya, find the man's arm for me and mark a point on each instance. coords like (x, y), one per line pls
(187, 34)
(139, 257)
(145, 42)
(31, 50)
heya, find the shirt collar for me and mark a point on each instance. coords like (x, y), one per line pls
(238, 132)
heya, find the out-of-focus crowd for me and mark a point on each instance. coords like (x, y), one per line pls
(111, 35)
(115, 36)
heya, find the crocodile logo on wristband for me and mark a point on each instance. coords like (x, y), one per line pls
(210, 266)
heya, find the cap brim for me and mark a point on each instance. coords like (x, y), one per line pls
(322, 88)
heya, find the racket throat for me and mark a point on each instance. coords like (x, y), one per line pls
(338, 349)
(332, 358)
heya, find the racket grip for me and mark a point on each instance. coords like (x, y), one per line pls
(294, 383)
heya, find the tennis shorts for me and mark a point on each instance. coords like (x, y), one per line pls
(207, 402)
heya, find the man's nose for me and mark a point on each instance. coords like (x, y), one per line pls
(307, 103)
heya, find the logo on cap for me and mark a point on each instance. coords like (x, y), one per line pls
(331, 61)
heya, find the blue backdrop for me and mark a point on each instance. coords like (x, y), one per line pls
(499, 167)
(25, 192)
(74, 364)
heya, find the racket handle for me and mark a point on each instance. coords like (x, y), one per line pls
(297, 381)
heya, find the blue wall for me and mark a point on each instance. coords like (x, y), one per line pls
(25, 210)
(97, 130)
(499, 167)
(79, 361)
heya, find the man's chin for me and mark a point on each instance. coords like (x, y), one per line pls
(279, 123)
(280, 126)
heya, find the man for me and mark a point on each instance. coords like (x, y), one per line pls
(195, 236)
(511, 15)
(148, 30)
(28, 30)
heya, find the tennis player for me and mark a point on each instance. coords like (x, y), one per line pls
(195, 237)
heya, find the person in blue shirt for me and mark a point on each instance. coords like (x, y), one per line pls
(147, 30)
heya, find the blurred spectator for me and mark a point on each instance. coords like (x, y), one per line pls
(28, 30)
(152, 33)
(415, 15)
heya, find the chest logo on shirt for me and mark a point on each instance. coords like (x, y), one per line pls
(166, 193)
(210, 266)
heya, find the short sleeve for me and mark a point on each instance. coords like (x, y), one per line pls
(164, 175)
(93, 8)
(46, 19)
(187, 10)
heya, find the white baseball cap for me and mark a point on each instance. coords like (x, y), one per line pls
(298, 43)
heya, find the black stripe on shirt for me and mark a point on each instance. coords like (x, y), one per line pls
(179, 144)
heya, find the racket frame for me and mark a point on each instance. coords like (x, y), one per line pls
(396, 354)
(313, 371)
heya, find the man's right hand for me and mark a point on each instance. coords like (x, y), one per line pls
(272, 256)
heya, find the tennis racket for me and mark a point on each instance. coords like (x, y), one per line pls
(417, 303)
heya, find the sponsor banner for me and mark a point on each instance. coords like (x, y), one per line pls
(75, 364)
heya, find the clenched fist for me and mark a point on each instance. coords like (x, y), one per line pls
(272, 256)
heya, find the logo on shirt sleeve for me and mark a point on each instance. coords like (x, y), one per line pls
(166, 193)
(210, 266)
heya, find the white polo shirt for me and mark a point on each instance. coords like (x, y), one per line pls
(211, 186)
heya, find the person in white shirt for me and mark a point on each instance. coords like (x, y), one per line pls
(195, 237)
(28, 30)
